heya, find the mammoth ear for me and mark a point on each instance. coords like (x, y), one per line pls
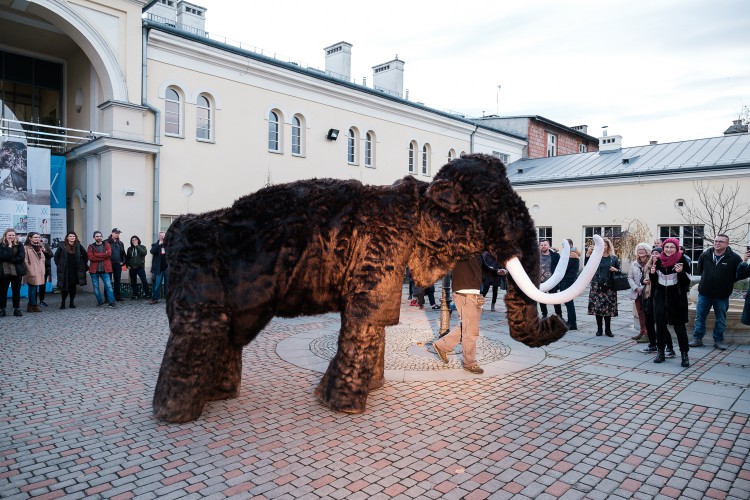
(445, 194)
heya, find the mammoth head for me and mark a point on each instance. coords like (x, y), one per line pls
(474, 208)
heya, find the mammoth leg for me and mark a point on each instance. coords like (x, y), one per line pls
(346, 384)
(377, 379)
(200, 363)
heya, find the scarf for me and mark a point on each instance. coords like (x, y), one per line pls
(38, 249)
(671, 261)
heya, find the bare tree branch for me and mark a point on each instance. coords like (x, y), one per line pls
(719, 209)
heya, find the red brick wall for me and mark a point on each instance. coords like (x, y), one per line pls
(567, 143)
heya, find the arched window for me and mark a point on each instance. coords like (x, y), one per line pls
(203, 118)
(426, 159)
(412, 159)
(369, 149)
(172, 112)
(296, 135)
(451, 155)
(351, 146)
(274, 137)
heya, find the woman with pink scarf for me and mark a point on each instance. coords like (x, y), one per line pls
(670, 283)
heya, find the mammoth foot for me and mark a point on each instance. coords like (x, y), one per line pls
(341, 392)
(341, 401)
(376, 383)
(177, 410)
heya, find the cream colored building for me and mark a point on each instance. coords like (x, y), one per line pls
(605, 192)
(170, 119)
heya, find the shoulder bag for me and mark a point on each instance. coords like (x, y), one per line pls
(618, 281)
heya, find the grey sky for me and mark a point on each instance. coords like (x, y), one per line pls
(663, 70)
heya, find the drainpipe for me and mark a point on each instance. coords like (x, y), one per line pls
(157, 127)
(471, 139)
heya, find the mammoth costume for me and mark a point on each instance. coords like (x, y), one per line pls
(323, 245)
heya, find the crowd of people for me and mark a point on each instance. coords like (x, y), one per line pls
(103, 260)
(659, 279)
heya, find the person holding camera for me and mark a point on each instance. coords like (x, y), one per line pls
(670, 283)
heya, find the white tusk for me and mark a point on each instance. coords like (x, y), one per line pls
(515, 269)
(562, 265)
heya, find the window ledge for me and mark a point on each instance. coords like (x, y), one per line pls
(209, 141)
(298, 155)
(276, 151)
(176, 136)
(370, 166)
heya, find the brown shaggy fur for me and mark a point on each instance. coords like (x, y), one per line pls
(323, 245)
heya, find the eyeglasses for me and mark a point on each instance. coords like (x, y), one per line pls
(722, 242)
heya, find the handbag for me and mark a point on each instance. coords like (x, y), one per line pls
(618, 281)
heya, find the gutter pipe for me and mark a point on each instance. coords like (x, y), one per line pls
(157, 126)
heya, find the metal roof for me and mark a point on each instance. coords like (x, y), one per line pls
(700, 155)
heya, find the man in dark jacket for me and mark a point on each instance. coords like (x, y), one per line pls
(158, 267)
(718, 269)
(571, 273)
(549, 264)
(118, 260)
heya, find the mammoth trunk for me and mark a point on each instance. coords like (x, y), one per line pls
(523, 319)
(524, 323)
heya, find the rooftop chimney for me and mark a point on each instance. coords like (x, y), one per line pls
(610, 143)
(165, 11)
(389, 77)
(584, 129)
(653, 143)
(191, 17)
(339, 60)
(737, 128)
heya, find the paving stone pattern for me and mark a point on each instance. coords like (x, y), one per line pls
(587, 417)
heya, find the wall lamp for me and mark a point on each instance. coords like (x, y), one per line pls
(130, 192)
(332, 134)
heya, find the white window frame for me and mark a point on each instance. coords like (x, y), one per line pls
(352, 155)
(274, 131)
(178, 104)
(370, 149)
(412, 155)
(551, 144)
(614, 233)
(425, 163)
(297, 136)
(544, 233)
(204, 108)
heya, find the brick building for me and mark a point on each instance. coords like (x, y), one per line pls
(544, 137)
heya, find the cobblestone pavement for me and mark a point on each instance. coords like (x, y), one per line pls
(587, 417)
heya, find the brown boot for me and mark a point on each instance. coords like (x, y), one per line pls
(29, 308)
(36, 309)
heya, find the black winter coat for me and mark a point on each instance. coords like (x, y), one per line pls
(6, 255)
(670, 301)
(135, 257)
(61, 261)
(717, 280)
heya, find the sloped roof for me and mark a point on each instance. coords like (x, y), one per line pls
(314, 73)
(698, 155)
